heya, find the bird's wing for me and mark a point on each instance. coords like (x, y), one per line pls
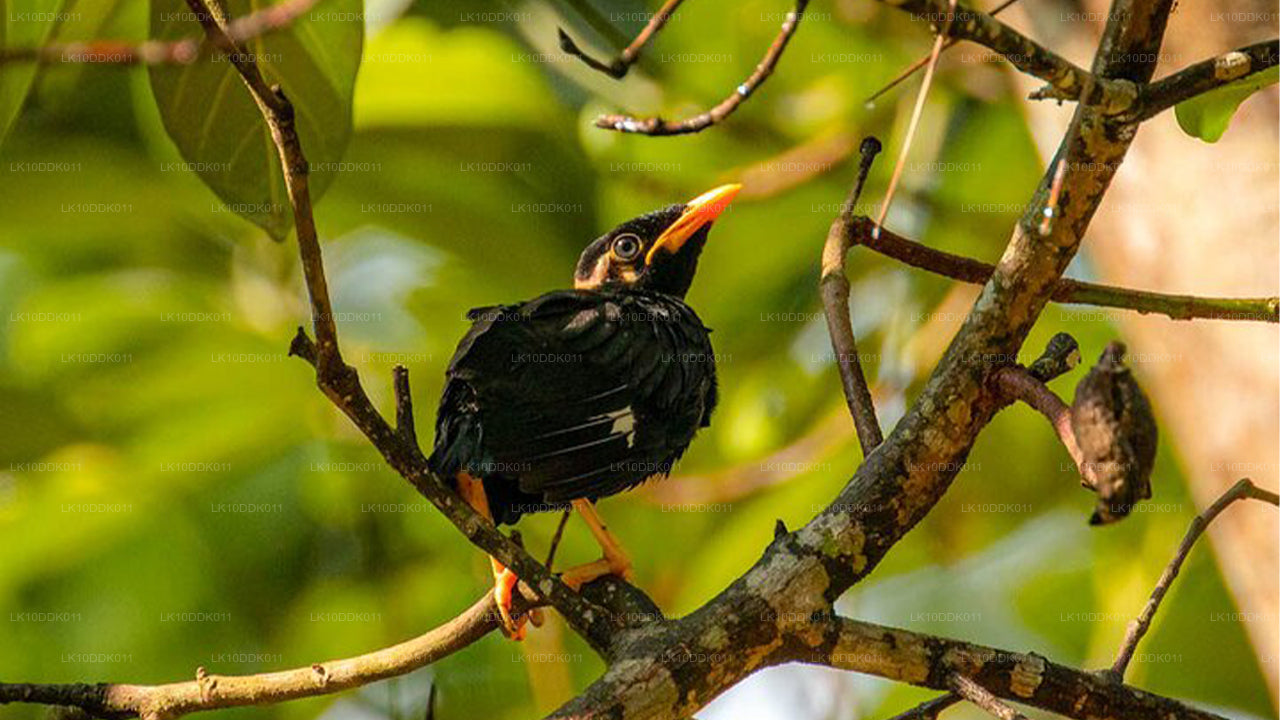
(575, 394)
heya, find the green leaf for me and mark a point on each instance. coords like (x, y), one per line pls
(218, 129)
(1207, 116)
(23, 24)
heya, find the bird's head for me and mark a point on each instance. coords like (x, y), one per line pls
(656, 252)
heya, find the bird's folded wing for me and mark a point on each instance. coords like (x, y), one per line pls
(576, 395)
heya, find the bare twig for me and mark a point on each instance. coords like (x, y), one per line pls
(980, 696)
(555, 539)
(1065, 290)
(156, 52)
(1244, 489)
(924, 59)
(835, 301)
(1204, 76)
(210, 692)
(915, 116)
(658, 127)
(618, 67)
(1066, 80)
(1017, 383)
(929, 709)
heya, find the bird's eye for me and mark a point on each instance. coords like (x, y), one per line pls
(626, 247)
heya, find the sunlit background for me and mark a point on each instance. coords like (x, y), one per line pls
(175, 492)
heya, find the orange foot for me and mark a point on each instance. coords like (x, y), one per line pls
(504, 586)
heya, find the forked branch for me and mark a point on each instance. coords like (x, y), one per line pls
(660, 127)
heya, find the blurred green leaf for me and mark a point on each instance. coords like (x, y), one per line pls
(23, 24)
(1207, 116)
(217, 127)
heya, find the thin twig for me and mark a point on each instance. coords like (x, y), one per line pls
(929, 709)
(834, 286)
(1066, 79)
(555, 539)
(924, 59)
(1205, 76)
(619, 66)
(210, 692)
(1016, 383)
(658, 127)
(156, 52)
(980, 696)
(915, 117)
(1244, 489)
(1065, 290)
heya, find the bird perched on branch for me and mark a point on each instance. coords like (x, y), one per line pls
(580, 394)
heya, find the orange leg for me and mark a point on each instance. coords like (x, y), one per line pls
(504, 580)
(615, 560)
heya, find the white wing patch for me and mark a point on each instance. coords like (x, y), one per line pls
(624, 423)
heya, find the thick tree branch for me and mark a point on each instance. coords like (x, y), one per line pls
(1244, 489)
(658, 127)
(1024, 678)
(155, 52)
(1205, 76)
(1064, 290)
(211, 692)
(618, 67)
(834, 287)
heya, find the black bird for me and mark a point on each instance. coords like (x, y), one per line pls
(580, 394)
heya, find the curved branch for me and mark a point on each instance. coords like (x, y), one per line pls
(656, 126)
(1065, 290)
(211, 692)
(1244, 489)
(1205, 76)
(618, 67)
(834, 288)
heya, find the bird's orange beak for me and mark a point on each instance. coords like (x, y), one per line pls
(697, 213)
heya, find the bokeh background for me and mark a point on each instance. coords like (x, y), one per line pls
(175, 493)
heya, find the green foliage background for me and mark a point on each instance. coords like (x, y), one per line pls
(467, 121)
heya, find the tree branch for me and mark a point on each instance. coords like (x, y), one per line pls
(980, 696)
(1064, 290)
(155, 52)
(211, 692)
(1026, 678)
(930, 709)
(1244, 489)
(656, 126)
(341, 383)
(618, 67)
(914, 67)
(834, 288)
(1017, 383)
(1205, 76)
(1066, 80)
